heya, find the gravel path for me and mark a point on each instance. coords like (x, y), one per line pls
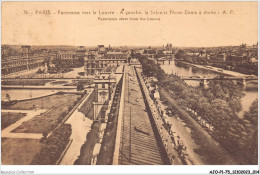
(6, 133)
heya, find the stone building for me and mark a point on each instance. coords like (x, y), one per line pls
(149, 53)
(104, 87)
(97, 59)
(17, 65)
(25, 60)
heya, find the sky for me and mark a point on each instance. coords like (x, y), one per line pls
(183, 30)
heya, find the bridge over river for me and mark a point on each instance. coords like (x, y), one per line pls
(217, 78)
(204, 79)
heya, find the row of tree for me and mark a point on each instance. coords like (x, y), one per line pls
(218, 106)
(53, 146)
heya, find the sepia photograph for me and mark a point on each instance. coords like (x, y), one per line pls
(130, 83)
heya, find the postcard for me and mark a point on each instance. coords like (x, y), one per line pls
(130, 83)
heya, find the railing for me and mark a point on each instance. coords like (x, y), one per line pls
(119, 123)
(64, 152)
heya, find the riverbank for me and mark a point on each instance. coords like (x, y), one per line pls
(184, 69)
(217, 106)
(210, 151)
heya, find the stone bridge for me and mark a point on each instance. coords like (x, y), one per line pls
(204, 80)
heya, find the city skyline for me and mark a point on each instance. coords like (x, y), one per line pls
(180, 30)
(135, 46)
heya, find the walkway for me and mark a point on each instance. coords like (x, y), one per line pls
(138, 144)
(6, 133)
(80, 125)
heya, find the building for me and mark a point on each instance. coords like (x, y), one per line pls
(26, 51)
(217, 58)
(149, 53)
(97, 60)
(78, 54)
(168, 51)
(24, 60)
(90, 62)
(66, 55)
(115, 56)
(101, 50)
(104, 87)
(5, 52)
(17, 65)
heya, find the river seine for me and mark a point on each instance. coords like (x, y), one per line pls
(182, 69)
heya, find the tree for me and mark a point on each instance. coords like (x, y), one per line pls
(252, 115)
(80, 87)
(45, 134)
(221, 112)
(216, 89)
(235, 105)
(39, 71)
(69, 108)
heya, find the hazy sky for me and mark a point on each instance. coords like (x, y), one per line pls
(181, 30)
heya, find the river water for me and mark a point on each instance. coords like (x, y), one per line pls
(182, 69)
